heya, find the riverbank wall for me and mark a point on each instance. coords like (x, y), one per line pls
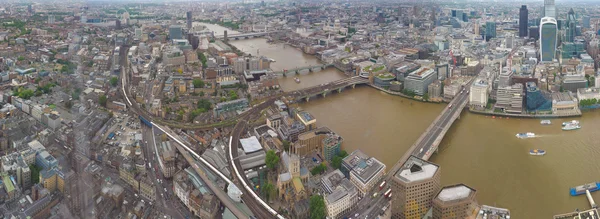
(530, 116)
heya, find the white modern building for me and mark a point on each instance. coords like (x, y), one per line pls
(478, 96)
(364, 171)
(588, 94)
(418, 80)
(341, 195)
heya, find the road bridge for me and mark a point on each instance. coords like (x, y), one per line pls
(244, 35)
(427, 143)
(297, 70)
(324, 89)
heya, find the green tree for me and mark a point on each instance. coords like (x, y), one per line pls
(202, 58)
(102, 100)
(204, 104)
(201, 93)
(269, 191)
(426, 96)
(114, 81)
(317, 207)
(23, 93)
(271, 160)
(318, 169)
(21, 58)
(198, 83)
(233, 95)
(35, 173)
(336, 162)
(286, 145)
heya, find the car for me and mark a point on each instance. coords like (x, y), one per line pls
(356, 215)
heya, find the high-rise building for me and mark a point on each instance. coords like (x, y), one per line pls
(490, 29)
(138, 33)
(534, 32)
(549, 9)
(476, 28)
(548, 39)
(331, 146)
(535, 99)
(585, 21)
(456, 201)
(413, 187)
(118, 24)
(478, 97)
(523, 21)
(51, 19)
(571, 26)
(175, 32)
(188, 19)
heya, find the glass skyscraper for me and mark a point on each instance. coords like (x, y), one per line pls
(548, 38)
(549, 9)
(536, 100)
(571, 26)
(523, 21)
(490, 29)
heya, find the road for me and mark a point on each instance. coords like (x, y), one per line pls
(164, 200)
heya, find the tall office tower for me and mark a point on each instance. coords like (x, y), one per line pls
(456, 201)
(571, 26)
(175, 32)
(225, 35)
(476, 28)
(523, 21)
(413, 187)
(490, 29)
(51, 19)
(585, 21)
(549, 9)
(189, 19)
(548, 39)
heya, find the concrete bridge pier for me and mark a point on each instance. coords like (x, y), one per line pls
(353, 86)
(307, 99)
(297, 72)
(310, 70)
(324, 94)
(323, 67)
(340, 89)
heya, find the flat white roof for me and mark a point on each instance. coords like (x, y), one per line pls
(250, 144)
(454, 193)
(427, 172)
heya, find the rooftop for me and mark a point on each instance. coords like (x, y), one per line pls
(416, 169)
(250, 144)
(454, 192)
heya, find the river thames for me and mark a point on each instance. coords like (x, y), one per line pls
(479, 151)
